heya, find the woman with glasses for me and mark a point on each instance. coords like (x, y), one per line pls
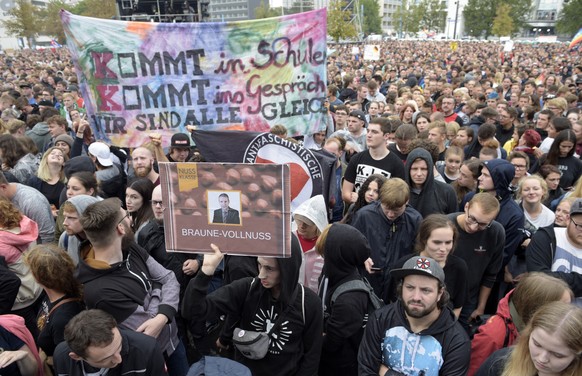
(436, 239)
(50, 178)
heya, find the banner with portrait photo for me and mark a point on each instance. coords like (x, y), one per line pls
(244, 209)
(141, 77)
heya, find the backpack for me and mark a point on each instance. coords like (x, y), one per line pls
(374, 302)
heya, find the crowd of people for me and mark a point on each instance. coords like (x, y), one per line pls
(450, 243)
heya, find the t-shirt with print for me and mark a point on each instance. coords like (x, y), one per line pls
(568, 258)
(362, 165)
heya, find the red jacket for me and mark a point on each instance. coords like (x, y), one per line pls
(491, 336)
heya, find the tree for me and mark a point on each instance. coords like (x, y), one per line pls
(54, 28)
(372, 21)
(265, 11)
(23, 21)
(434, 14)
(407, 18)
(569, 20)
(339, 21)
(502, 24)
(96, 8)
(479, 15)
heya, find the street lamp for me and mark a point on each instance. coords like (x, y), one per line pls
(456, 20)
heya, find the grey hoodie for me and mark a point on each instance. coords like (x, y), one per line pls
(72, 243)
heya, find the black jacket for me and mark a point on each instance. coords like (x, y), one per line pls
(388, 241)
(295, 346)
(388, 333)
(132, 291)
(140, 353)
(345, 251)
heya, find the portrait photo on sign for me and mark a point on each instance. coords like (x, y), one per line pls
(224, 207)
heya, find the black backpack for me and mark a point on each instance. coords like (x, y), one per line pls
(374, 302)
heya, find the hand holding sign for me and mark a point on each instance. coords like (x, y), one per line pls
(156, 138)
(212, 260)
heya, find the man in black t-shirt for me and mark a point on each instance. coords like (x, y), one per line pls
(377, 159)
(480, 243)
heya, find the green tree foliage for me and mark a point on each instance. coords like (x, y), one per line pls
(570, 18)
(479, 15)
(434, 15)
(372, 23)
(503, 23)
(96, 8)
(265, 11)
(339, 25)
(407, 17)
(24, 21)
(54, 29)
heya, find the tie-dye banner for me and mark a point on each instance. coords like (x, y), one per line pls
(142, 77)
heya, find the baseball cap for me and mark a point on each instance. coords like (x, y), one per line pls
(576, 207)
(359, 114)
(102, 152)
(71, 88)
(420, 265)
(25, 84)
(180, 140)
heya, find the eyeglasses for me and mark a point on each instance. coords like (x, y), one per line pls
(519, 167)
(156, 203)
(122, 219)
(473, 221)
(578, 226)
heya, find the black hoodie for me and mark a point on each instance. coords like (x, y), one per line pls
(435, 197)
(345, 251)
(295, 346)
(388, 340)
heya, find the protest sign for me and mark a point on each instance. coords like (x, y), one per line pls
(371, 52)
(140, 77)
(244, 209)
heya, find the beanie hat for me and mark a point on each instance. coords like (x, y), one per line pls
(78, 164)
(65, 138)
(81, 202)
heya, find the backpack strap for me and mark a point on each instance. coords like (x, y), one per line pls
(353, 285)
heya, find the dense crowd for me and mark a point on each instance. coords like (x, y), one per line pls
(450, 244)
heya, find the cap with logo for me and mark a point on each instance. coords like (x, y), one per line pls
(359, 114)
(180, 140)
(419, 265)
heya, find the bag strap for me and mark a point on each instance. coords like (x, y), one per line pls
(506, 340)
(288, 308)
(353, 285)
(61, 303)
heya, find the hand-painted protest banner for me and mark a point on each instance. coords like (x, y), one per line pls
(243, 209)
(140, 77)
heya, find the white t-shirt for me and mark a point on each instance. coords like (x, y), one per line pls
(568, 258)
(546, 144)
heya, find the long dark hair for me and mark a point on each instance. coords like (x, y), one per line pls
(554, 152)
(144, 187)
(361, 201)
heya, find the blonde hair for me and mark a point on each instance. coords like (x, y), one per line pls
(394, 193)
(542, 182)
(561, 320)
(44, 172)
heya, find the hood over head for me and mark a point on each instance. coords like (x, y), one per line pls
(315, 210)
(412, 157)
(345, 251)
(502, 172)
(289, 268)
